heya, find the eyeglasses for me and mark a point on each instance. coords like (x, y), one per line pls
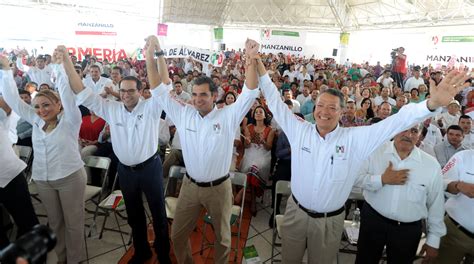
(129, 91)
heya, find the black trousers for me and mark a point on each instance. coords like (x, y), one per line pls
(376, 232)
(16, 199)
(282, 173)
(148, 180)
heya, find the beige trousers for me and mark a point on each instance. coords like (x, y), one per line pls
(455, 245)
(64, 203)
(320, 236)
(218, 202)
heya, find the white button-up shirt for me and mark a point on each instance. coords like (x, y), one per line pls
(37, 75)
(460, 207)
(433, 135)
(57, 152)
(207, 142)
(421, 197)
(134, 135)
(325, 169)
(11, 164)
(98, 87)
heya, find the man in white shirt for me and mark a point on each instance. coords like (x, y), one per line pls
(402, 185)
(112, 91)
(179, 93)
(459, 181)
(41, 73)
(288, 95)
(433, 134)
(326, 159)
(384, 111)
(384, 97)
(465, 122)
(451, 117)
(207, 136)
(96, 82)
(304, 96)
(14, 195)
(450, 146)
(291, 73)
(134, 131)
(385, 79)
(415, 81)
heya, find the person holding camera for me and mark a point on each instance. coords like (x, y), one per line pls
(399, 66)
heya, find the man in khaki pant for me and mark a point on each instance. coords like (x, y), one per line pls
(207, 137)
(459, 177)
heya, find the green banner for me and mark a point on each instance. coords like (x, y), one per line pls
(285, 33)
(457, 39)
(218, 33)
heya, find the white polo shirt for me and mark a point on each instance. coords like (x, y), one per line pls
(134, 135)
(421, 197)
(57, 152)
(207, 142)
(37, 75)
(98, 87)
(460, 207)
(325, 169)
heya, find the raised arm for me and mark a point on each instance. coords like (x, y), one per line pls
(282, 114)
(250, 92)
(71, 111)
(19, 64)
(157, 71)
(10, 92)
(370, 137)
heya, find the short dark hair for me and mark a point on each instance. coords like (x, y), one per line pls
(21, 91)
(178, 82)
(465, 117)
(94, 66)
(119, 69)
(288, 102)
(131, 78)
(385, 102)
(335, 92)
(221, 101)
(206, 80)
(454, 127)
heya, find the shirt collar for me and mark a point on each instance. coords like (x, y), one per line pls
(414, 154)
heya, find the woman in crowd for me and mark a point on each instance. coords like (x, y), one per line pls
(365, 112)
(257, 158)
(422, 91)
(230, 98)
(58, 169)
(415, 96)
(91, 127)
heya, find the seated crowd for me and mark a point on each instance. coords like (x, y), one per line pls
(67, 110)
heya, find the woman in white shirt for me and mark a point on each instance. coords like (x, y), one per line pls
(57, 167)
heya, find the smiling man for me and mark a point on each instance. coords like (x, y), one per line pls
(402, 185)
(134, 130)
(207, 138)
(325, 161)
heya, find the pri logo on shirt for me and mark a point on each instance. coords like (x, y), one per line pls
(140, 116)
(217, 128)
(339, 149)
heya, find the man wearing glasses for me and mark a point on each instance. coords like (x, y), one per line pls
(134, 130)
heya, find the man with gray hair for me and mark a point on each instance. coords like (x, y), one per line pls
(402, 185)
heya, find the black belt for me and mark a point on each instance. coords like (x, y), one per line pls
(460, 227)
(208, 184)
(143, 164)
(314, 214)
(391, 221)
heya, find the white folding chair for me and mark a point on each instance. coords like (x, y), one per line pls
(283, 188)
(176, 175)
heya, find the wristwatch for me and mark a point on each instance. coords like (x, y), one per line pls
(159, 53)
